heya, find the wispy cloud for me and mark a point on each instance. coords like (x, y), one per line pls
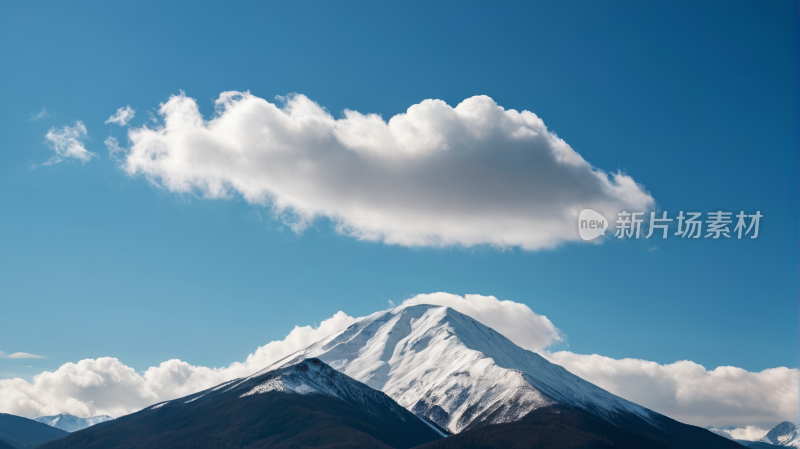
(67, 143)
(123, 116)
(40, 115)
(114, 150)
(19, 355)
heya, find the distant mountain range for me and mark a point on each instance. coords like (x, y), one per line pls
(402, 378)
(783, 435)
(308, 404)
(24, 433)
(71, 423)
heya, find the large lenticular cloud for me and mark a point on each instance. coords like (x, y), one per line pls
(434, 176)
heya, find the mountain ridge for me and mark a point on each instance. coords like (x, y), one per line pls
(24, 433)
(71, 423)
(308, 404)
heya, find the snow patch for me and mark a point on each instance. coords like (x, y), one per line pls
(194, 399)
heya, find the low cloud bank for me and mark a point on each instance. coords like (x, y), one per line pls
(435, 175)
(686, 391)
(106, 386)
(749, 433)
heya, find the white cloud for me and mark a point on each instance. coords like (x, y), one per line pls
(66, 142)
(40, 115)
(750, 433)
(683, 390)
(106, 386)
(514, 320)
(19, 355)
(123, 116)
(435, 175)
(298, 338)
(114, 150)
(689, 393)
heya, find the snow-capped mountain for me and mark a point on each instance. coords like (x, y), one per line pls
(307, 404)
(453, 370)
(725, 432)
(784, 434)
(71, 423)
(474, 382)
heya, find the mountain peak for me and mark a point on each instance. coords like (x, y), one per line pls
(784, 434)
(453, 370)
(783, 428)
(71, 423)
(310, 376)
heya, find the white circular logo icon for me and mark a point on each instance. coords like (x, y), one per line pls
(591, 224)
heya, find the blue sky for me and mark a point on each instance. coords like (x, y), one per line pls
(696, 102)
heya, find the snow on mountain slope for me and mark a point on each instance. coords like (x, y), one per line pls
(448, 367)
(71, 423)
(784, 434)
